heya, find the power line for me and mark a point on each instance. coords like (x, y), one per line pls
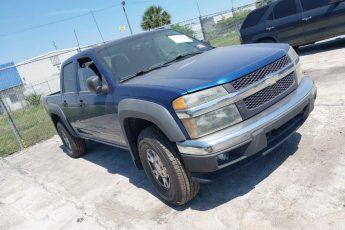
(99, 30)
(72, 18)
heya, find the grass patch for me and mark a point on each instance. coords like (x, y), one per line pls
(227, 40)
(8, 143)
(33, 124)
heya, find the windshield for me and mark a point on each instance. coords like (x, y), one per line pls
(133, 57)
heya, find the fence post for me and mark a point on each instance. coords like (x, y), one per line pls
(12, 125)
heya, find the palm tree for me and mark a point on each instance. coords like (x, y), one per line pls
(155, 17)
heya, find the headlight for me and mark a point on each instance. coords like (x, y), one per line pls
(199, 98)
(209, 121)
(295, 58)
(292, 54)
(212, 121)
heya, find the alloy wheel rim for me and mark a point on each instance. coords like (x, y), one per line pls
(65, 140)
(158, 170)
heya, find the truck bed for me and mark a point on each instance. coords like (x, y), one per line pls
(54, 98)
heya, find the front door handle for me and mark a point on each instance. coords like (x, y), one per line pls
(270, 28)
(307, 18)
(82, 103)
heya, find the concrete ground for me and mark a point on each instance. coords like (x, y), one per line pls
(301, 185)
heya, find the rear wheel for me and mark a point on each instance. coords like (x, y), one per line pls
(164, 169)
(75, 146)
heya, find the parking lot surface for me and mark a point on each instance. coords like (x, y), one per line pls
(301, 185)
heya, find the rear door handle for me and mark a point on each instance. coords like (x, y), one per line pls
(270, 28)
(65, 104)
(307, 18)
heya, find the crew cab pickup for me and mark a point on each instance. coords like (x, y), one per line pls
(185, 111)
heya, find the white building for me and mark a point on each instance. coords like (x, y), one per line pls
(41, 73)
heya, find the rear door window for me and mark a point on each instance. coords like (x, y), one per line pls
(285, 8)
(254, 17)
(69, 85)
(314, 4)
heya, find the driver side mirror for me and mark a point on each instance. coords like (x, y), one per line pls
(94, 84)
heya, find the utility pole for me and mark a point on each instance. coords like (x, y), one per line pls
(99, 31)
(201, 22)
(123, 3)
(234, 16)
(76, 37)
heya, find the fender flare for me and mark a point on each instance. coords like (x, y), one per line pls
(263, 37)
(152, 112)
(54, 109)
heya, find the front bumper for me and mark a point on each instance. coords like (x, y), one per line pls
(259, 134)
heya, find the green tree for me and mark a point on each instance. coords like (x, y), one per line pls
(184, 30)
(155, 17)
(260, 3)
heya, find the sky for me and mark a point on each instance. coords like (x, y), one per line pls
(18, 42)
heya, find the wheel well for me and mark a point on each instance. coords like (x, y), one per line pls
(266, 39)
(55, 118)
(132, 128)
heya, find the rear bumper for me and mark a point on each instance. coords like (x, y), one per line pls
(210, 156)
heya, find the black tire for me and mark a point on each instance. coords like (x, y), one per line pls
(75, 147)
(182, 189)
(267, 40)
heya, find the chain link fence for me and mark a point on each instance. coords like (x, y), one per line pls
(23, 119)
(220, 29)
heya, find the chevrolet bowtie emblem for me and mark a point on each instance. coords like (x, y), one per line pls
(271, 81)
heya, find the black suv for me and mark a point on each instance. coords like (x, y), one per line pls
(297, 22)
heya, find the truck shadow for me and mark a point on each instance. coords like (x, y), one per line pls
(241, 180)
(333, 44)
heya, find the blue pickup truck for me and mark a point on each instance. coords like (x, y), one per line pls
(186, 111)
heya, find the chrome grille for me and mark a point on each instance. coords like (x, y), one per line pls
(266, 95)
(261, 73)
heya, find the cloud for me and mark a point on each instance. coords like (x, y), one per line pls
(68, 12)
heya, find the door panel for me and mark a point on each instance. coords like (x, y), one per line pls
(314, 19)
(335, 20)
(97, 118)
(69, 93)
(70, 107)
(286, 25)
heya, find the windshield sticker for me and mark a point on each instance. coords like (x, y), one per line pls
(180, 39)
(201, 46)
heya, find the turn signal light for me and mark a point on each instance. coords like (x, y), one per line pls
(179, 104)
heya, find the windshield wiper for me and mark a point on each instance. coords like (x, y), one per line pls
(182, 56)
(142, 72)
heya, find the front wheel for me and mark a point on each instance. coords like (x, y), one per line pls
(164, 169)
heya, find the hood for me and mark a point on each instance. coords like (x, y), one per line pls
(215, 67)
